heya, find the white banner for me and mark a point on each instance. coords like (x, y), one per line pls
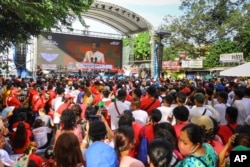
(49, 66)
(93, 66)
(231, 57)
(192, 64)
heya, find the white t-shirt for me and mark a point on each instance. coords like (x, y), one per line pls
(140, 116)
(221, 108)
(242, 111)
(198, 111)
(114, 113)
(57, 103)
(165, 112)
(246, 102)
(74, 93)
(40, 135)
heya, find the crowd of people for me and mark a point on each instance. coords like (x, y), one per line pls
(89, 122)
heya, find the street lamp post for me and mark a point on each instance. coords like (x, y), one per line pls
(161, 34)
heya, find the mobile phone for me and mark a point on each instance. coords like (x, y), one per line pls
(94, 118)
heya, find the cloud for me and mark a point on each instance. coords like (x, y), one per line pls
(143, 2)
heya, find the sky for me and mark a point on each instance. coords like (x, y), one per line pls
(151, 10)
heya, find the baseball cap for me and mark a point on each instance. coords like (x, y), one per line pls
(204, 121)
(199, 97)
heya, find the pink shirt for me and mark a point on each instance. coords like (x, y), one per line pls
(128, 161)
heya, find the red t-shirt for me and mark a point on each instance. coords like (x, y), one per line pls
(32, 92)
(63, 107)
(137, 131)
(93, 90)
(52, 95)
(129, 98)
(178, 127)
(97, 98)
(38, 102)
(218, 147)
(149, 132)
(28, 137)
(37, 159)
(148, 104)
(13, 101)
(225, 132)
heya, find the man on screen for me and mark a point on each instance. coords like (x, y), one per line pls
(94, 56)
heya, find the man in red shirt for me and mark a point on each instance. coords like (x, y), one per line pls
(38, 101)
(51, 95)
(181, 115)
(127, 119)
(66, 105)
(12, 99)
(148, 130)
(150, 102)
(226, 131)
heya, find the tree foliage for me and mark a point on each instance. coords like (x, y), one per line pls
(221, 47)
(206, 22)
(126, 41)
(21, 19)
(142, 50)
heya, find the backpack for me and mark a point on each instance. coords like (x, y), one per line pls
(143, 148)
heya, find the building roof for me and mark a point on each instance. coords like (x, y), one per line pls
(125, 21)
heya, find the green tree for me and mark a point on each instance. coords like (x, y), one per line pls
(221, 47)
(21, 19)
(207, 21)
(126, 41)
(170, 53)
(142, 50)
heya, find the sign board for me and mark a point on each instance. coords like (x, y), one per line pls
(231, 58)
(192, 64)
(170, 65)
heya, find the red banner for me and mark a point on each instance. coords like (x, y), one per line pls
(171, 65)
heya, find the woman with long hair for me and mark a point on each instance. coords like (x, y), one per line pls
(20, 138)
(124, 141)
(67, 151)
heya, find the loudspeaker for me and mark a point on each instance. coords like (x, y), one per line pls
(20, 58)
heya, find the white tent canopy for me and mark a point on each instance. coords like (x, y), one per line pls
(238, 71)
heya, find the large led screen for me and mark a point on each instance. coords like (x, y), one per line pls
(56, 51)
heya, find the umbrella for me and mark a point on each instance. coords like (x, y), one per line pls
(208, 76)
(6, 110)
